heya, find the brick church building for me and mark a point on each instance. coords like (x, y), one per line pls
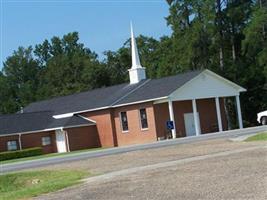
(192, 103)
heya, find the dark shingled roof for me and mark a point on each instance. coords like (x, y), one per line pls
(92, 99)
(36, 121)
(157, 88)
(114, 95)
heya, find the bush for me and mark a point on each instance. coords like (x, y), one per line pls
(8, 155)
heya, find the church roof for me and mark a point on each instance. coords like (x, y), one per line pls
(38, 121)
(145, 90)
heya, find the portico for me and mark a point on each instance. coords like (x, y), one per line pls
(210, 89)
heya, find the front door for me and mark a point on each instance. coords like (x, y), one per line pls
(190, 124)
(61, 141)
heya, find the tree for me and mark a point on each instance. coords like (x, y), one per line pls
(192, 25)
(254, 49)
(68, 67)
(7, 101)
(20, 80)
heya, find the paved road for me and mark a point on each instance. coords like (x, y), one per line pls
(112, 151)
(233, 174)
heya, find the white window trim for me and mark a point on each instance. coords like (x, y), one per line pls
(124, 131)
(140, 122)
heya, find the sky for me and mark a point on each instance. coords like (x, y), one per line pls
(102, 25)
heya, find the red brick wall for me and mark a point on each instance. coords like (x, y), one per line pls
(207, 110)
(83, 138)
(179, 108)
(31, 140)
(207, 114)
(109, 127)
(5, 139)
(161, 117)
(35, 140)
(104, 124)
(135, 135)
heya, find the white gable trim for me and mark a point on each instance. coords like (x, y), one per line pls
(206, 85)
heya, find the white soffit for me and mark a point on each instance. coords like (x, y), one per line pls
(63, 116)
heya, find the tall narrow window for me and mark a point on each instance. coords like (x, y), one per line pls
(143, 118)
(12, 145)
(124, 121)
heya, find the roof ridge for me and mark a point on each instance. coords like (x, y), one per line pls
(133, 90)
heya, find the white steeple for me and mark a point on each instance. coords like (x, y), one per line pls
(137, 72)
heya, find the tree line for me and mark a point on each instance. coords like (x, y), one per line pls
(227, 36)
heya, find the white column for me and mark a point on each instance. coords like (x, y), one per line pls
(67, 141)
(239, 115)
(218, 111)
(61, 141)
(20, 146)
(194, 105)
(172, 118)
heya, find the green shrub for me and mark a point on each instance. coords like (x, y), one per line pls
(8, 155)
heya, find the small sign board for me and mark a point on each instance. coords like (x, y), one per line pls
(170, 125)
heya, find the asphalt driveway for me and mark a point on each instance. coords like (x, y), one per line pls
(216, 169)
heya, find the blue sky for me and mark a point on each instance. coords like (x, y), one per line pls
(102, 25)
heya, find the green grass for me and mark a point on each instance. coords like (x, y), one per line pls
(24, 185)
(49, 155)
(258, 137)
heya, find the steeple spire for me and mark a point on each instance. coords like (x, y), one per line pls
(137, 72)
(135, 55)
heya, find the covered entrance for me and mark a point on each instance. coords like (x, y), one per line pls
(197, 107)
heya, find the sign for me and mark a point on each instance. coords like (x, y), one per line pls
(170, 125)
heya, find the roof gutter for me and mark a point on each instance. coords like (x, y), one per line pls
(45, 130)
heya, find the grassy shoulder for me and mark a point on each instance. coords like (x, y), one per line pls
(258, 137)
(24, 185)
(49, 156)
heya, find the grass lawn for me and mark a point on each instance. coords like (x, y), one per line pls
(24, 185)
(258, 137)
(48, 155)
